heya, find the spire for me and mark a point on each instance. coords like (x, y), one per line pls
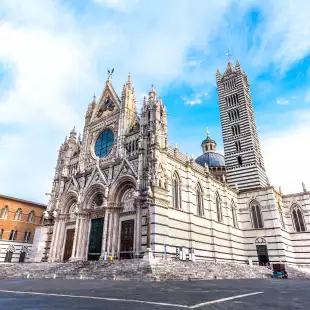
(152, 93)
(94, 99)
(73, 132)
(230, 68)
(129, 80)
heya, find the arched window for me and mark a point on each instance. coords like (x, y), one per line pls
(18, 214)
(27, 236)
(13, 235)
(4, 212)
(176, 192)
(234, 215)
(199, 200)
(298, 219)
(219, 208)
(31, 217)
(1, 234)
(256, 215)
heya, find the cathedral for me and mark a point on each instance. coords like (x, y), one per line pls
(120, 190)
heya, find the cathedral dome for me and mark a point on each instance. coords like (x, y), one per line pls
(212, 159)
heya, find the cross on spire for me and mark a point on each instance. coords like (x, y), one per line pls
(207, 132)
(228, 55)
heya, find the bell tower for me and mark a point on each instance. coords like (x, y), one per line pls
(243, 157)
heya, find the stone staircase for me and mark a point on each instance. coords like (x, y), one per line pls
(137, 269)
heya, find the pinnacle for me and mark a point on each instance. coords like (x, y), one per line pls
(152, 92)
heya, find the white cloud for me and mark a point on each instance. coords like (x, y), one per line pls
(57, 62)
(196, 99)
(286, 153)
(121, 5)
(283, 37)
(282, 101)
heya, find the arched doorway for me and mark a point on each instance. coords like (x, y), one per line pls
(96, 204)
(69, 237)
(127, 226)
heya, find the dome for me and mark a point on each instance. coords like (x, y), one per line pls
(208, 140)
(212, 159)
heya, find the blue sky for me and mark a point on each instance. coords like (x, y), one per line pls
(54, 55)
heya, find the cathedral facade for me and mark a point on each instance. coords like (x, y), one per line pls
(120, 188)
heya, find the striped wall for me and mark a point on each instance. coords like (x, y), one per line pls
(16, 248)
(239, 129)
(220, 241)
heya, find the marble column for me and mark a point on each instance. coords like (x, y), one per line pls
(54, 241)
(60, 240)
(115, 232)
(104, 234)
(76, 238)
(81, 237)
(110, 233)
(138, 231)
(82, 244)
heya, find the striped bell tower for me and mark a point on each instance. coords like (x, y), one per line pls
(244, 161)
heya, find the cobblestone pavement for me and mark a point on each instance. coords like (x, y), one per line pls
(258, 294)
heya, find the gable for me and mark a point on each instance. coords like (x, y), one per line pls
(108, 104)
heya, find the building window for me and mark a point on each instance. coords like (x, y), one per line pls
(4, 212)
(257, 221)
(238, 146)
(239, 160)
(18, 214)
(235, 130)
(176, 192)
(219, 208)
(298, 219)
(31, 217)
(27, 236)
(234, 214)
(1, 234)
(199, 200)
(13, 235)
(104, 143)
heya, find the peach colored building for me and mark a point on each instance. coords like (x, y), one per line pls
(18, 221)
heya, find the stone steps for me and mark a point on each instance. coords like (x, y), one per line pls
(139, 270)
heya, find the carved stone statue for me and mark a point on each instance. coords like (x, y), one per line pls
(46, 215)
(106, 192)
(304, 187)
(55, 213)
